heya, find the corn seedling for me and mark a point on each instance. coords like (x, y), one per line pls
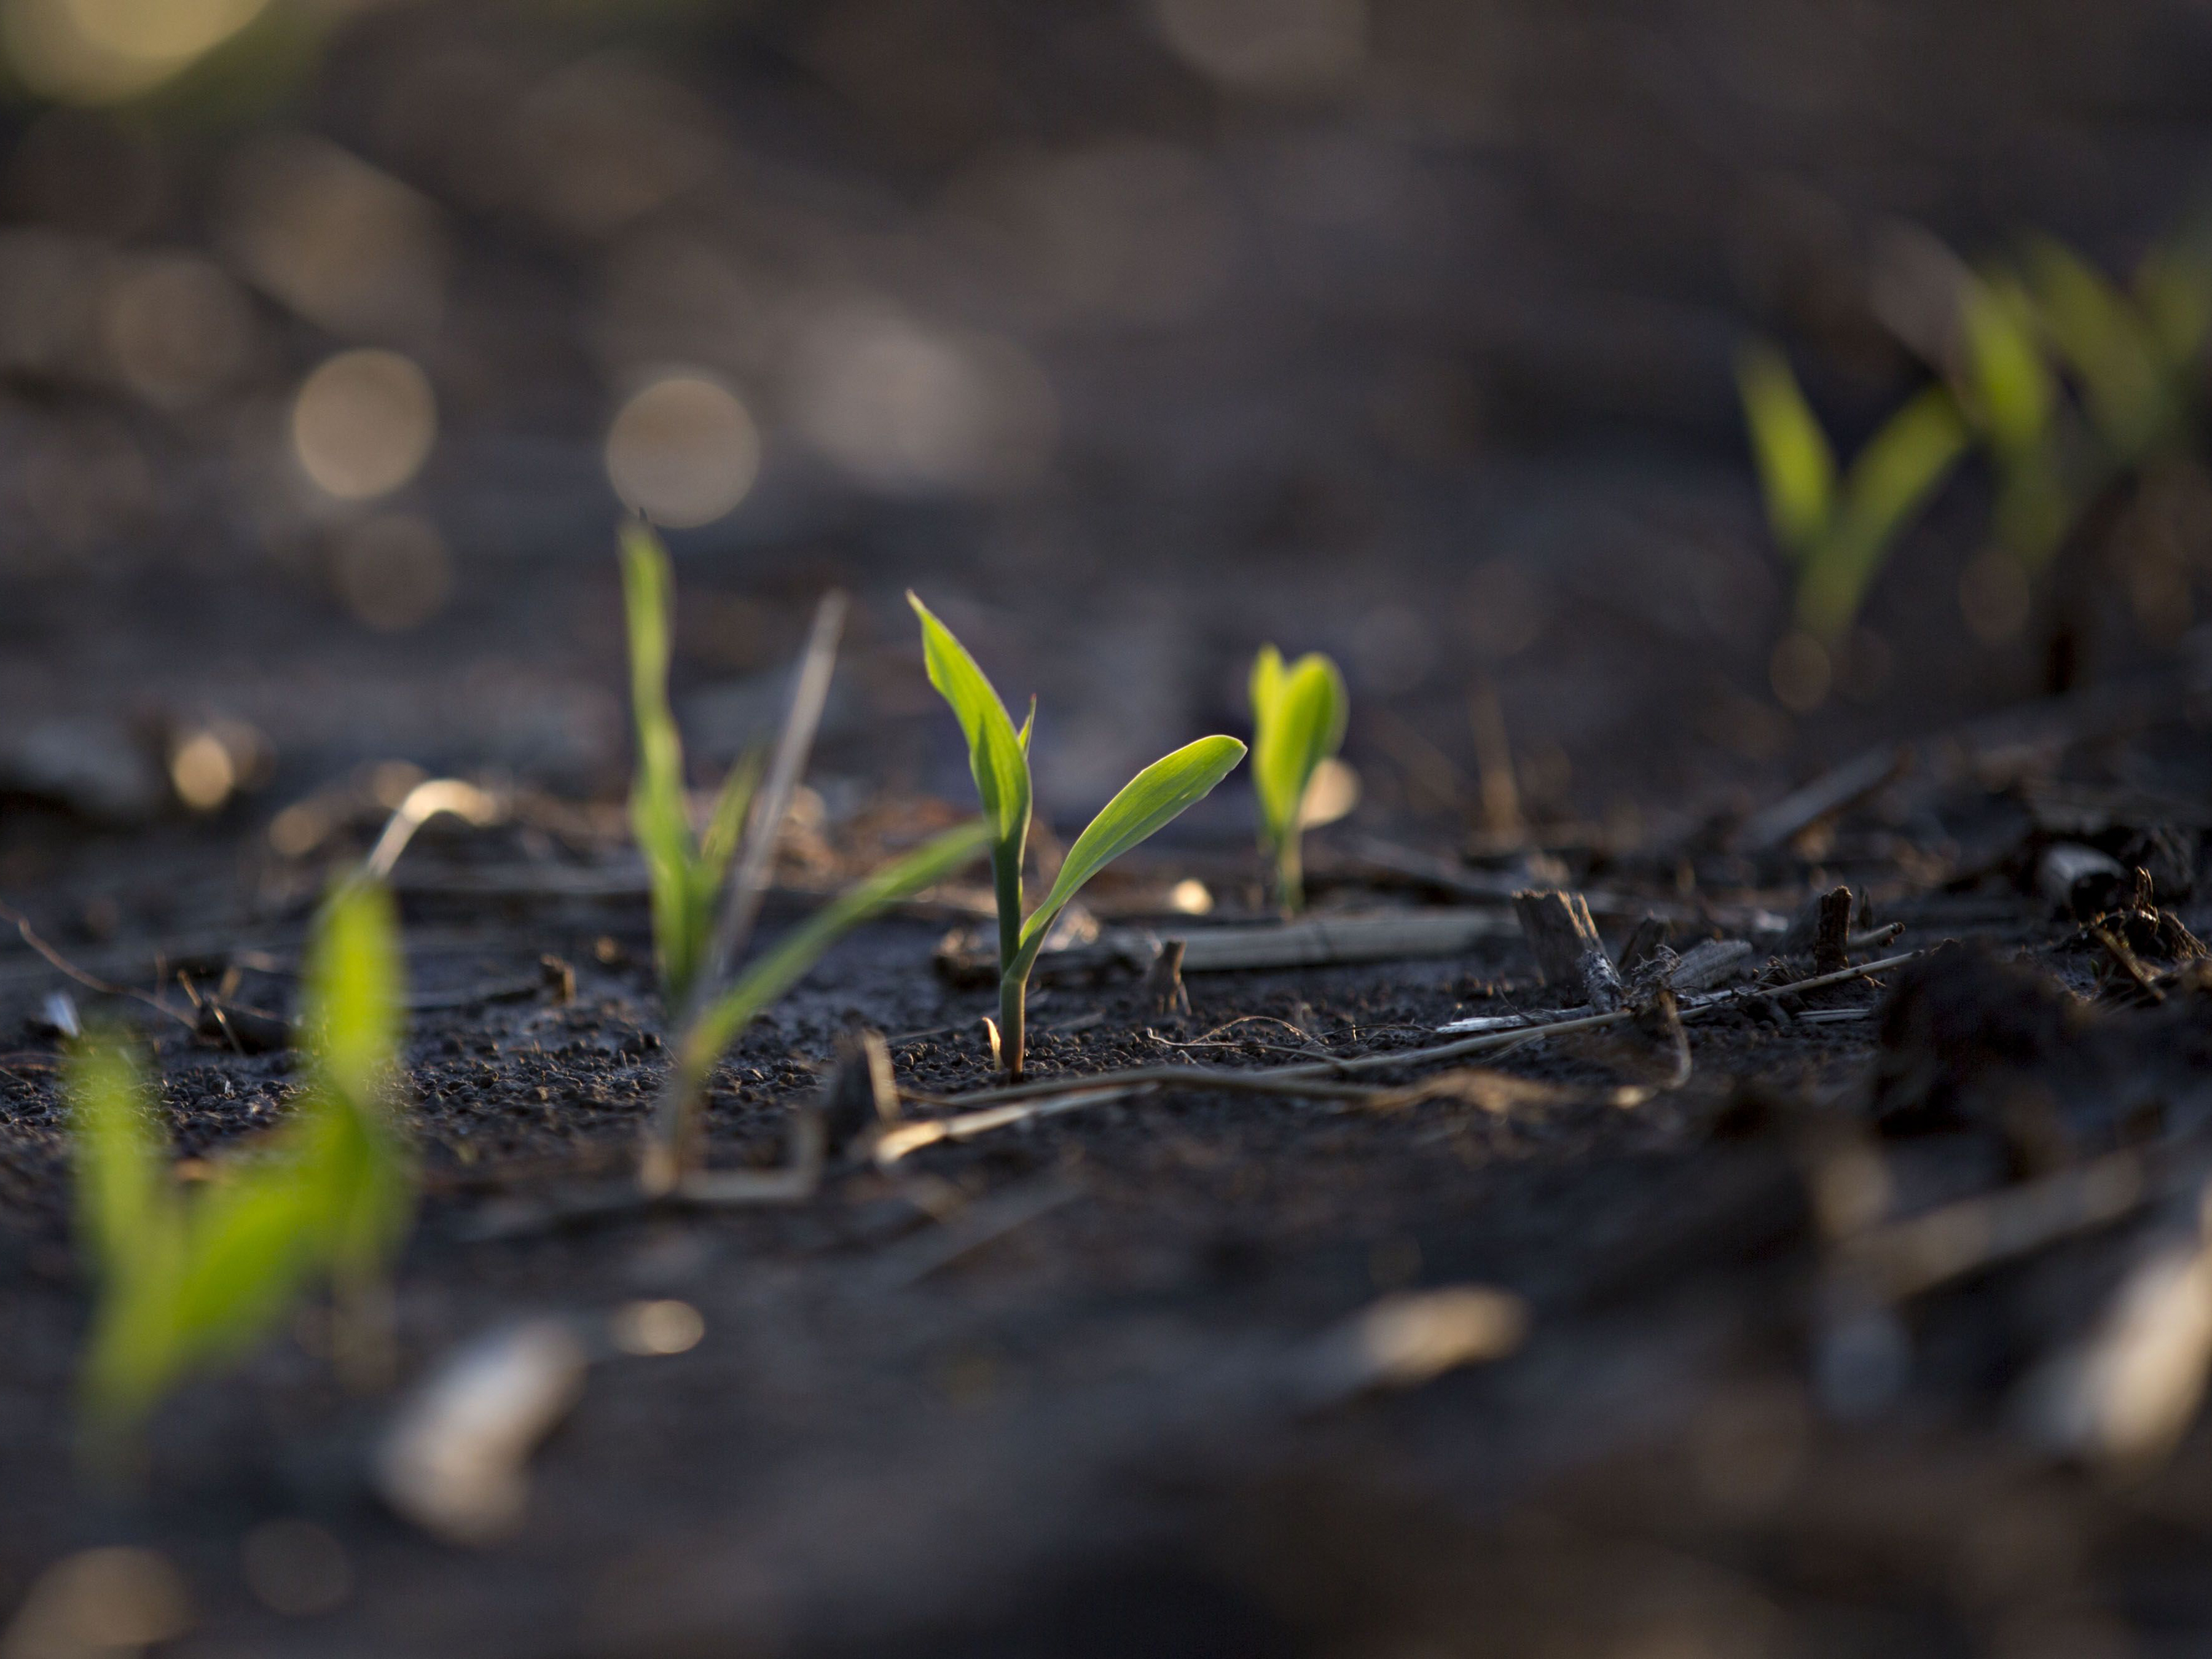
(1299, 715)
(706, 897)
(2134, 355)
(675, 1151)
(684, 867)
(1837, 528)
(998, 756)
(193, 1278)
(2011, 399)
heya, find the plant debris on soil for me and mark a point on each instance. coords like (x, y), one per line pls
(1720, 1170)
(1855, 1318)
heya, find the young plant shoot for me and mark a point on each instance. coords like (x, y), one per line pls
(1299, 715)
(683, 868)
(191, 1278)
(998, 756)
(1836, 531)
(675, 1150)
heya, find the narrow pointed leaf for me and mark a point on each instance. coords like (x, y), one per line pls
(2012, 390)
(122, 1163)
(658, 817)
(720, 843)
(997, 754)
(1267, 687)
(1892, 479)
(245, 1263)
(352, 993)
(1797, 467)
(1157, 796)
(783, 967)
(2109, 349)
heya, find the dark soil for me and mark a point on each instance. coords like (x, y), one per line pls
(1074, 1437)
(1466, 422)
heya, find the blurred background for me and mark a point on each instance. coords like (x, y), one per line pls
(335, 334)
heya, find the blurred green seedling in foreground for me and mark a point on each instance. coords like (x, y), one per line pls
(1298, 717)
(193, 1277)
(1837, 528)
(685, 869)
(998, 756)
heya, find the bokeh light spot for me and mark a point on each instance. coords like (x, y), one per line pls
(176, 328)
(684, 451)
(657, 1327)
(1800, 671)
(111, 1601)
(393, 571)
(363, 422)
(295, 1567)
(908, 409)
(99, 51)
(201, 772)
(342, 243)
(1265, 45)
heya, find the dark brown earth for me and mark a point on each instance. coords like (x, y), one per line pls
(1466, 422)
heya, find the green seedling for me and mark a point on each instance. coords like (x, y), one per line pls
(998, 756)
(1299, 715)
(675, 1150)
(684, 868)
(2011, 399)
(191, 1278)
(1838, 530)
(2134, 357)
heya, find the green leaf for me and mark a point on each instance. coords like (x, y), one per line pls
(2108, 347)
(1797, 467)
(997, 755)
(1300, 724)
(658, 817)
(191, 1278)
(351, 1008)
(2173, 294)
(781, 968)
(720, 844)
(245, 1263)
(1157, 796)
(358, 1174)
(350, 1152)
(2010, 382)
(124, 1205)
(1892, 478)
(1266, 684)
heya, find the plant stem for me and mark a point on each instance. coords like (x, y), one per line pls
(1014, 984)
(1013, 1003)
(1289, 875)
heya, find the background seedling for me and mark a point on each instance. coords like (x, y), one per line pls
(684, 867)
(1298, 716)
(1838, 531)
(998, 756)
(2026, 333)
(191, 1280)
(2133, 357)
